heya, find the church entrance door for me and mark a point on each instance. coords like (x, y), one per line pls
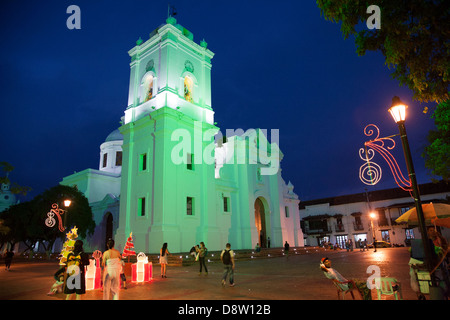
(260, 222)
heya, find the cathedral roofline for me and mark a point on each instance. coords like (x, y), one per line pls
(91, 172)
(160, 33)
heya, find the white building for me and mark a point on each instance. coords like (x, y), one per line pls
(342, 218)
(167, 175)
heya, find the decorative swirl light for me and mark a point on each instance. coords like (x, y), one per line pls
(370, 172)
(50, 221)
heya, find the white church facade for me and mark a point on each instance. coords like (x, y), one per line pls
(167, 174)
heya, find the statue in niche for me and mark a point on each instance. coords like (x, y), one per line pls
(149, 94)
(188, 89)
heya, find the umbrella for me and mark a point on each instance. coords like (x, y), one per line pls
(443, 222)
(430, 211)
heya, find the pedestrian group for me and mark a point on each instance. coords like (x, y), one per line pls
(70, 278)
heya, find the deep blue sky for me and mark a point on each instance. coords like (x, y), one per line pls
(277, 65)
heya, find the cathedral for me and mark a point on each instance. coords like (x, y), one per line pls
(169, 174)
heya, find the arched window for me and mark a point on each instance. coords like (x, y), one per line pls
(188, 85)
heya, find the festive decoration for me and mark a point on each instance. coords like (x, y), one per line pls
(68, 245)
(90, 275)
(370, 172)
(50, 221)
(94, 272)
(129, 248)
(142, 271)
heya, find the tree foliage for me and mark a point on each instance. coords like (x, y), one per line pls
(414, 39)
(25, 222)
(78, 214)
(436, 155)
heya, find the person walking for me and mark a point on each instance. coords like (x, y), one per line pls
(163, 260)
(202, 252)
(227, 257)
(123, 277)
(286, 249)
(75, 275)
(112, 265)
(8, 259)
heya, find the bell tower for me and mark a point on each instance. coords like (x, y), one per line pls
(162, 198)
(170, 70)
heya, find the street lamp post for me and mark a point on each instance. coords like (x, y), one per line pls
(398, 112)
(373, 216)
(67, 203)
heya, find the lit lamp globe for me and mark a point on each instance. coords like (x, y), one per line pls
(67, 203)
(398, 110)
(372, 215)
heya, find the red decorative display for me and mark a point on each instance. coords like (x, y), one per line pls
(142, 270)
(129, 247)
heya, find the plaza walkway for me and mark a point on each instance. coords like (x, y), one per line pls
(297, 277)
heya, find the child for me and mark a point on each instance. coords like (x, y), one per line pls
(57, 287)
(122, 275)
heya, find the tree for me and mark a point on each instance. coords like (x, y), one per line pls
(414, 39)
(68, 245)
(437, 153)
(129, 248)
(25, 222)
(20, 223)
(79, 213)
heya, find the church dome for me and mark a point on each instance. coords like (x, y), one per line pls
(111, 153)
(114, 136)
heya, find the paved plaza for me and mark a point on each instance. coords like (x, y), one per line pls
(297, 277)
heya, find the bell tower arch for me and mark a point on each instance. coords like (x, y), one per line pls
(159, 70)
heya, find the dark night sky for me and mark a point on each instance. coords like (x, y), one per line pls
(277, 65)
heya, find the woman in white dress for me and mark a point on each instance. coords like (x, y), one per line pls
(163, 259)
(111, 267)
